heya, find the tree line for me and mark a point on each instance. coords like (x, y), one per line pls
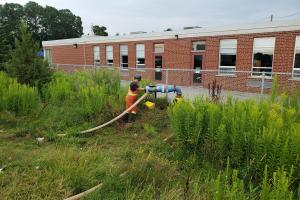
(45, 23)
(22, 30)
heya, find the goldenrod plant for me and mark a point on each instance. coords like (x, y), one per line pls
(17, 98)
(253, 134)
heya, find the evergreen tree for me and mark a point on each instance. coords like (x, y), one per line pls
(24, 64)
(4, 46)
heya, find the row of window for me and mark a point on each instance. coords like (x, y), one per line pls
(263, 51)
(140, 55)
(263, 54)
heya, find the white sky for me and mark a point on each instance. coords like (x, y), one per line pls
(125, 16)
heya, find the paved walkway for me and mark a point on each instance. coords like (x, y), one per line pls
(192, 92)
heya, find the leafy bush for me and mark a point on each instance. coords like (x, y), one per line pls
(17, 98)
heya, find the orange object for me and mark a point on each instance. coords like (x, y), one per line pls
(130, 98)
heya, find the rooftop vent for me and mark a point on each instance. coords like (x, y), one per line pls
(190, 27)
(137, 32)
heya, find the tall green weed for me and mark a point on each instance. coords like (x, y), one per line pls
(82, 97)
(17, 98)
(251, 133)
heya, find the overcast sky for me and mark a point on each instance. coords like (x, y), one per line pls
(125, 16)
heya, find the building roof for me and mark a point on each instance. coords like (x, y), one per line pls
(277, 26)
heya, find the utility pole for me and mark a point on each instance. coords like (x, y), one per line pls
(272, 16)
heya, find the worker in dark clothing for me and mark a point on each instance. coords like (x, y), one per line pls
(131, 98)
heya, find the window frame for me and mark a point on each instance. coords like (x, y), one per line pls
(121, 63)
(48, 59)
(110, 64)
(163, 49)
(197, 71)
(94, 62)
(294, 61)
(230, 73)
(273, 56)
(200, 41)
(140, 66)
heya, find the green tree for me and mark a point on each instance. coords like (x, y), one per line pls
(10, 16)
(33, 13)
(4, 47)
(24, 64)
(60, 24)
(70, 24)
(99, 30)
(45, 23)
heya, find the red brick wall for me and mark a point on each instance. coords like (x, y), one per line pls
(178, 54)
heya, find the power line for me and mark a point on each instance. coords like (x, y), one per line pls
(290, 15)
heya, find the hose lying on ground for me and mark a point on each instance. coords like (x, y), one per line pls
(118, 117)
(82, 194)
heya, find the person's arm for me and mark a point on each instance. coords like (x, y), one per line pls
(140, 89)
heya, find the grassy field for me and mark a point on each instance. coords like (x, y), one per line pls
(230, 150)
(67, 166)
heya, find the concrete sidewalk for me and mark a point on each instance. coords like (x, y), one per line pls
(191, 92)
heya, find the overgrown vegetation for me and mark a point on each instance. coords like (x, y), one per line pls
(17, 98)
(221, 150)
(259, 138)
(70, 102)
(82, 99)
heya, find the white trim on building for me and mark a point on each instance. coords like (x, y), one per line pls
(296, 70)
(278, 26)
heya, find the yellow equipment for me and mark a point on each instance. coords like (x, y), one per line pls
(149, 104)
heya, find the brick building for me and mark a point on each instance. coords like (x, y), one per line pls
(236, 56)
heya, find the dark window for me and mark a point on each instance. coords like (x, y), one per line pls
(110, 62)
(158, 61)
(158, 66)
(197, 61)
(228, 60)
(140, 61)
(264, 64)
(197, 67)
(297, 61)
(198, 46)
(262, 60)
(124, 61)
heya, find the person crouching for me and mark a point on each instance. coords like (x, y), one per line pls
(131, 98)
